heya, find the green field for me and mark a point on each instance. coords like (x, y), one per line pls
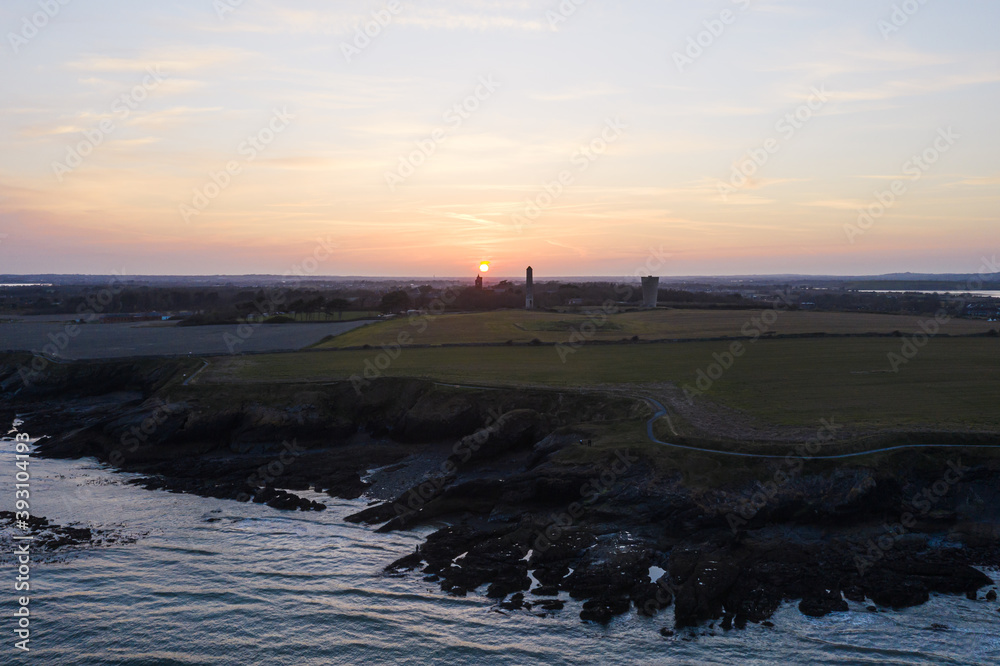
(522, 326)
(952, 383)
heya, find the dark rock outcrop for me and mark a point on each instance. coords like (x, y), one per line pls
(525, 500)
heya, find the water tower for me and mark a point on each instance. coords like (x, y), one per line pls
(650, 291)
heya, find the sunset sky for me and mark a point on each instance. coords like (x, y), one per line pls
(160, 96)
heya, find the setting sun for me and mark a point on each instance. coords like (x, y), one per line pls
(484, 267)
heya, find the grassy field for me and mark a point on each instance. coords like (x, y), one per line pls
(951, 382)
(524, 326)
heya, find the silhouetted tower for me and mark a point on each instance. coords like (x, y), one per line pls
(529, 290)
(650, 291)
(479, 282)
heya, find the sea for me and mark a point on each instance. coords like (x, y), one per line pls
(190, 580)
(988, 294)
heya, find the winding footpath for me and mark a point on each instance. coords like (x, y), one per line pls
(662, 411)
(197, 372)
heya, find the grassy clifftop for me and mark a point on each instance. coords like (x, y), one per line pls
(951, 383)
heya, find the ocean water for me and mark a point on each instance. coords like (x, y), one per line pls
(217, 582)
(990, 293)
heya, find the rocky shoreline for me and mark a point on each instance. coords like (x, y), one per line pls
(534, 510)
(50, 540)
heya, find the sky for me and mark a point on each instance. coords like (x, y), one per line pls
(582, 137)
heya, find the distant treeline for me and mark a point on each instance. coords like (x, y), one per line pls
(234, 301)
(227, 302)
(203, 304)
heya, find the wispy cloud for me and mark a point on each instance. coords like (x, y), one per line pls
(342, 21)
(578, 93)
(915, 86)
(170, 61)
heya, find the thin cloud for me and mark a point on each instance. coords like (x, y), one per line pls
(169, 62)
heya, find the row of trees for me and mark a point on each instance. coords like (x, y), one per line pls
(231, 303)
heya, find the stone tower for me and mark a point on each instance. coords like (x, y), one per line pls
(529, 290)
